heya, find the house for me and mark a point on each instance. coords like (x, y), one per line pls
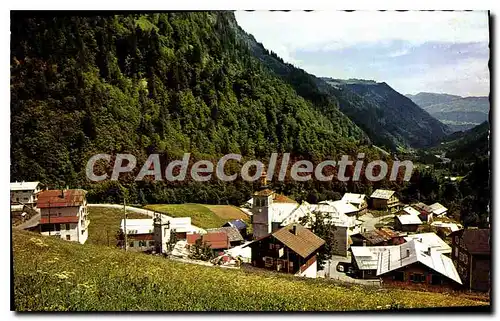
(377, 237)
(432, 240)
(407, 223)
(425, 212)
(339, 213)
(24, 193)
(291, 249)
(240, 225)
(438, 210)
(417, 263)
(139, 234)
(446, 228)
(364, 260)
(383, 199)
(408, 210)
(471, 254)
(234, 235)
(216, 241)
(357, 200)
(63, 213)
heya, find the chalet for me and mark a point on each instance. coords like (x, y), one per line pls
(358, 201)
(217, 241)
(24, 193)
(377, 237)
(139, 234)
(240, 225)
(235, 237)
(63, 213)
(417, 263)
(291, 249)
(425, 212)
(154, 233)
(383, 199)
(432, 240)
(409, 263)
(438, 210)
(471, 254)
(340, 214)
(407, 223)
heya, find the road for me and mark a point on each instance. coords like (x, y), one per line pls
(33, 221)
(330, 272)
(142, 211)
(369, 224)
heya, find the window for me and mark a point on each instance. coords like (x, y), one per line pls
(456, 251)
(67, 226)
(151, 243)
(142, 243)
(399, 276)
(131, 244)
(268, 261)
(417, 278)
(68, 237)
(271, 246)
(57, 227)
(456, 240)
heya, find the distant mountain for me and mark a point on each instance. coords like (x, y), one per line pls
(460, 113)
(390, 114)
(375, 118)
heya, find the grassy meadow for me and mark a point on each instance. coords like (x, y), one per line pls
(204, 216)
(105, 223)
(55, 275)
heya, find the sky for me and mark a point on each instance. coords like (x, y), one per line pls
(412, 51)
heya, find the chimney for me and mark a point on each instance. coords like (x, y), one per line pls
(364, 242)
(62, 193)
(407, 252)
(294, 229)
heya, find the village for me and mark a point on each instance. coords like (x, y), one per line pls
(377, 240)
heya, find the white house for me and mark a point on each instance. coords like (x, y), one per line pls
(64, 214)
(432, 240)
(358, 200)
(438, 209)
(24, 193)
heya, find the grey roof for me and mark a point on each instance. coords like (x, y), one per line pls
(233, 233)
(382, 194)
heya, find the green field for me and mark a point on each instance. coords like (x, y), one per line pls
(204, 216)
(55, 275)
(105, 223)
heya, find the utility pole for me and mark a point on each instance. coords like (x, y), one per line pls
(49, 217)
(125, 223)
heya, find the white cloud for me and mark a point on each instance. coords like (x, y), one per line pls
(298, 37)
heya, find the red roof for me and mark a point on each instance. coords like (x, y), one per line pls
(60, 198)
(215, 240)
(59, 219)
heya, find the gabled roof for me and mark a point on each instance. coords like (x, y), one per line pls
(232, 232)
(477, 241)
(382, 194)
(353, 198)
(303, 242)
(239, 224)
(430, 239)
(56, 198)
(422, 207)
(215, 240)
(407, 219)
(410, 210)
(24, 186)
(138, 225)
(366, 257)
(412, 252)
(379, 235)
(437, 209)
(299, 212)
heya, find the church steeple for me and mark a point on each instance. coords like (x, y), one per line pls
(263, 180)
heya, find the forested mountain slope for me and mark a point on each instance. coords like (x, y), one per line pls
(377, 118)
(401, 120)
(459, 113)
(146, 83)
